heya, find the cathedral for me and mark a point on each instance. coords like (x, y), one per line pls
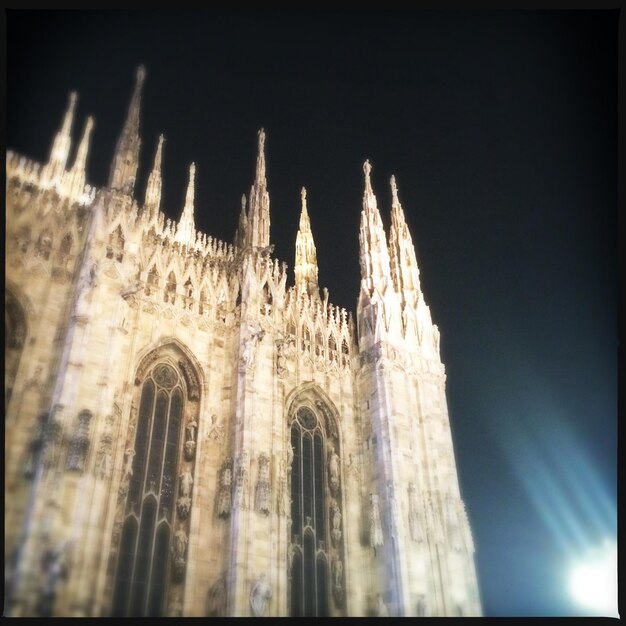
(192, 431)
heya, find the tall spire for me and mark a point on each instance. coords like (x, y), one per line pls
(374, 255)
(404, 270)
(152, 199)
(74, 180)
(126, 158)
(186, 229)
(305, 268)
(259, 209)
(61, 145)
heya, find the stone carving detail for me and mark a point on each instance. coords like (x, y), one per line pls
(179, 549)
(190, 442)
(415, 526)
(250, 341)
(381, 608)
(333, 470)
(193, 387)
(241, 482)
(216, 605)
(260, 595)
(55, 566)
(337, 580)
(224, 495)
(216, 431)
(284, 498)
(281, 359)
(353, 468)
(79, 444)
(376, 531)
(104, 456)
(186, 482)
(129, 456)
(335, 517)
(263, 489)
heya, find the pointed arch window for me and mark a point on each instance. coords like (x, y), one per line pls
(310, 500)
(148, 556)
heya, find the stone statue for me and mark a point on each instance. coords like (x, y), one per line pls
(186, 481)
(191, 428)
(253, 336)
(262, 491)
(183, 506)
(217, 598)
(128, 467)
(180, 544)
(381, 607)
(337, 585)
(333, 470)
(336, 522)
(260, 594)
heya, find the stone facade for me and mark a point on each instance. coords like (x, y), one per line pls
(186, 434)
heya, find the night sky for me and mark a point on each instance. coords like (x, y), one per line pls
(501, 129)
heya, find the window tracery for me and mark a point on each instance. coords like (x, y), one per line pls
(158, 489)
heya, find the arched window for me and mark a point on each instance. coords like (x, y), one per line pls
(315, 527)
(158, 483)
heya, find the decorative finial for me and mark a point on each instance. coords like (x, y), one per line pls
(367, 168)
(243, 202)
(261, 140)
(141, 73)
(394, 192)
(303, 195)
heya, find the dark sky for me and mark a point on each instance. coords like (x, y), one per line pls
(501, 129)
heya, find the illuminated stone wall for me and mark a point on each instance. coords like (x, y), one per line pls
(101, 291)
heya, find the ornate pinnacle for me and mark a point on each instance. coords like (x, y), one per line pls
(394, 192)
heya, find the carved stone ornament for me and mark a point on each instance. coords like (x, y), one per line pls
(335, 517)
(183, 506)
(179, 549)
(260, 594)
(225, 489)
(216, 601)
(186, 482)
(79, 444)
(241, 482)
(216, 430)
(193, 386)
(262, 489)
(333, 471)
(337, 581)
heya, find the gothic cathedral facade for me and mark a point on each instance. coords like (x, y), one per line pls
(187, 434)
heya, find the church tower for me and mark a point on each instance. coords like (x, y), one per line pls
(419, 535)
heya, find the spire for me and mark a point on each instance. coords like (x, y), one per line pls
(242, 227)
(375, 273)
(83, 147)
(126, 158)
(153, 188)
(74, 180)
(305, 268)
(404, 270)
(61, 145)
(258, 235)
(186, 229)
